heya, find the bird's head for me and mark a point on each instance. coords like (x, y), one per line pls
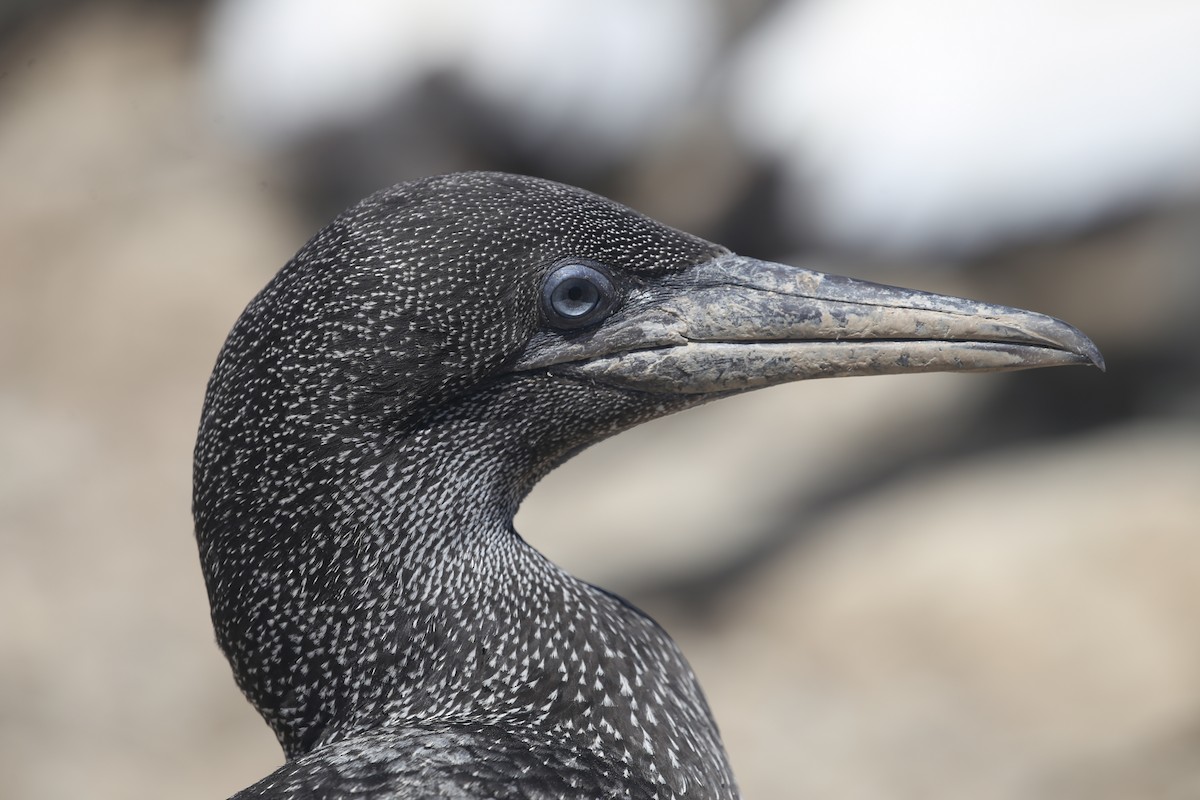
(422, 361)
(435, 291)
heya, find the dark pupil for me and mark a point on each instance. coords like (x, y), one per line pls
(575, 297)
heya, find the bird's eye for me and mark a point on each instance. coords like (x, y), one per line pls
(576, 295)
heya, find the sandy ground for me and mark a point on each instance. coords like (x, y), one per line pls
(1015, 624)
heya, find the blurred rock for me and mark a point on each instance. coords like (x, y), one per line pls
(975, 633)
(132, 241)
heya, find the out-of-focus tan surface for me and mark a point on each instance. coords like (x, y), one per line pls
(1016, 625)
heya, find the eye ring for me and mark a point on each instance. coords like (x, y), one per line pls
(577, 294)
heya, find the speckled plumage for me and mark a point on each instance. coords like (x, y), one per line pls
(382, 407)
(361, 455)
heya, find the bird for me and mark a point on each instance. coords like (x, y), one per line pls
(381, 408)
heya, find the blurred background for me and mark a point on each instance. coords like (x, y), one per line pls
(907, 587)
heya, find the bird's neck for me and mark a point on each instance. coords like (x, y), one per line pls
(393, 591)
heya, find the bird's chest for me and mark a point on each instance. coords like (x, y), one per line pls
(563, 671)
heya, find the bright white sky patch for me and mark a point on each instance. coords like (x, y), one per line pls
(610, 70)
(941, 124)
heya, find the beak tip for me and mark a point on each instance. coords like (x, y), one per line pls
(1061, 336)
(1087, 348)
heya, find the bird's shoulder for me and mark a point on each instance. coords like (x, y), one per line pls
(450, 762)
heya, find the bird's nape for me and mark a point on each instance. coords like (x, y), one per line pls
(382, 407)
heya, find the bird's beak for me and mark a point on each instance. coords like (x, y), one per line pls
(735, 323)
